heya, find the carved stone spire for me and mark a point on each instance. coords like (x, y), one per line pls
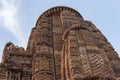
(71, 48)
(62, 46)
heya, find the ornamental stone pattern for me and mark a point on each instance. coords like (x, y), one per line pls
(62, 46)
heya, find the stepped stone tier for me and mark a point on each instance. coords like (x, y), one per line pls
(62, 46)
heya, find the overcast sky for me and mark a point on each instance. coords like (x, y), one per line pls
(18, 17)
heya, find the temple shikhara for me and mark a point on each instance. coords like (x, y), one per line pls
(62, 46)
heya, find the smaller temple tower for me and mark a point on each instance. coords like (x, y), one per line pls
(16, 63)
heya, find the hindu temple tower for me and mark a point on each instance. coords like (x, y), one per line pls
(62, 46)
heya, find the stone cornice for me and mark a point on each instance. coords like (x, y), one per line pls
(56, 10)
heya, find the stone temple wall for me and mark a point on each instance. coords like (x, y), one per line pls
(62, 46)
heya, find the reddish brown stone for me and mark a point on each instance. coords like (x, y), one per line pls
(62, 46)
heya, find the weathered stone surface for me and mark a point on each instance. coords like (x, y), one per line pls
(62, 46)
